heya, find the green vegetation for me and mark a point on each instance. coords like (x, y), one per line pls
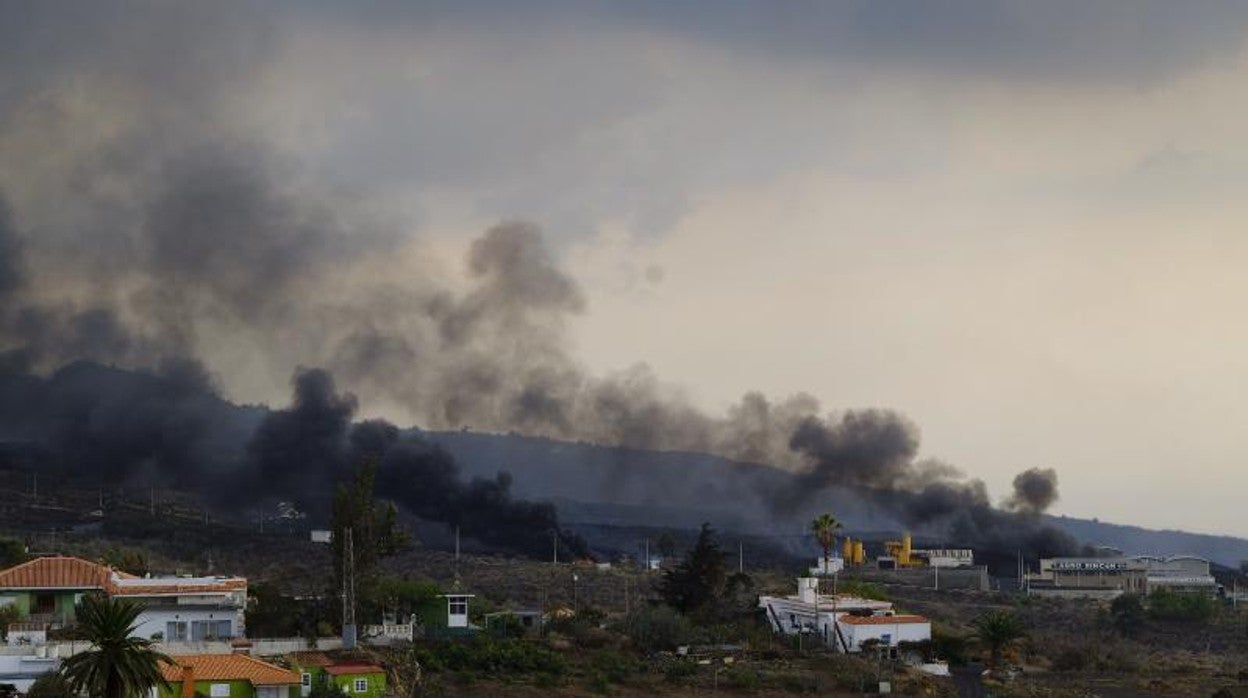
(488, 655)
(50, 685)
(825, 527)
(997, 630)
(118, 666)
(129, 560)
(694, 587)
(863, 589)
(658, 628)
(1164, 604)
(12, 552)
(1127, 614)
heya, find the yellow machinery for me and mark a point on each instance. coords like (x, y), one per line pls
(900, 550)
(853, 552)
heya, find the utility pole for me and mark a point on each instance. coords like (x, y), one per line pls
(740, 557)
(936, 572)
(555, 539)
(348, 591)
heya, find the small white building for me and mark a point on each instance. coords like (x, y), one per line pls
(828, 567)
(946, 557)
(888, 629)
(457, 610)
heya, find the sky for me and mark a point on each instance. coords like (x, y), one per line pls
(1017, 223)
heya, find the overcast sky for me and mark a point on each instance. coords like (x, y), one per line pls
(1019, 223)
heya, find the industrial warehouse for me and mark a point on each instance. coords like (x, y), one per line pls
(1109, 577)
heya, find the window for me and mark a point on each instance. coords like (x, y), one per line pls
(175, 631)
(459, 607)
(361, 685)
(220, 690)
(305, 678)
(210, 629)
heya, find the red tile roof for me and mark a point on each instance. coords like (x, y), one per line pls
(353, 669)
(228, 667)
(881, 620)
(58, 573)
(311, 659)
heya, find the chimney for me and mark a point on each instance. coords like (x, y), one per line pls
(807, 589)
(188, 681)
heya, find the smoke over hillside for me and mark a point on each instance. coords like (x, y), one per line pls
(142, 225)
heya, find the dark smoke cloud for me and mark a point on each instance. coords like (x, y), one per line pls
(1035, 490)
(148, 223)
(122, 428)
(875, 450)
(300, 453)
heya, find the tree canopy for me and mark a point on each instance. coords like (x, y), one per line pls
(118, 665)
(695, 585)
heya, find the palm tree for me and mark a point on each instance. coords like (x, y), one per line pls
(825, 527)
(118, 665)
(998, 630)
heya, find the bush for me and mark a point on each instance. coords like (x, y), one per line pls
(679, 671)
(491, 656)
(1164, 604)
(613, 666)
(658, 628)
(1072, 658)
(743, 679)
(861, 589)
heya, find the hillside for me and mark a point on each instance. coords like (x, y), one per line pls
(626, 487)
(113, 429)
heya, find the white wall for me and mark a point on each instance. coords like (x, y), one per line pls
(153, 620)
(855, 635)
(21, 671)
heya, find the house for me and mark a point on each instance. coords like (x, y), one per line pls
(46, 590)
(887, 630)
(840, 621)
(175, 609)
(352, 679)
(310, 666)
(186, 609)
(226, 676)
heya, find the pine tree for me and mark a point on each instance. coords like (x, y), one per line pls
(696, 585)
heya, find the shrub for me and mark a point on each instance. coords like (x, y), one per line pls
(658, 628)
(679, 671)
(742, 678)
(1164, 604)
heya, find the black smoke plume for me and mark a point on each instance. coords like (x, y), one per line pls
(874, 451)
(1035, 490)
(122, 428)
(145, 219)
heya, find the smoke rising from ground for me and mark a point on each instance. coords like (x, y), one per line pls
(142, 225)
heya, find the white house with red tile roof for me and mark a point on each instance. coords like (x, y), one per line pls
(888, 630)
(841, 621)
